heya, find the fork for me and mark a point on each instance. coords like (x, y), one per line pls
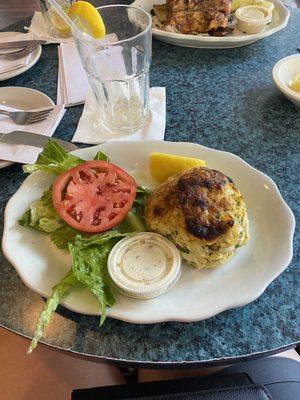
(27, 117)
(33, 139)
(20, 53)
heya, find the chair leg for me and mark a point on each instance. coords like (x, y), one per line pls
(129, 374)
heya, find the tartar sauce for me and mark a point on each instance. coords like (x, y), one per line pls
(144, 265)
(253, 19)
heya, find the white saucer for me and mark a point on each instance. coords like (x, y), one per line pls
(34, 58)
(23, 98)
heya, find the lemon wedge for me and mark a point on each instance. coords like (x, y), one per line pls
(267, 4)
(241, 3)
(87, 19)
(163, 165)
(295, 85)
(58, 23)
(235, 4)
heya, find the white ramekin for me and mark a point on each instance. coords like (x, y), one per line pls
(284, 72)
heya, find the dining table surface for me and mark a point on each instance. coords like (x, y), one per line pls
(223, 99)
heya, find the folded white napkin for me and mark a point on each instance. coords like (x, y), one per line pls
(88, 132)
(72, 84)
(39, 29)
(27, 154)
(10, 65)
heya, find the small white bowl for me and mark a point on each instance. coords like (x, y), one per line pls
(253, 19)
(284, 72)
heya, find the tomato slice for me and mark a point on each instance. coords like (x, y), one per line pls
(94, 196)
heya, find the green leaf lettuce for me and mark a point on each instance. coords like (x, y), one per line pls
(58, 292)
(41, 215)
(53, 160)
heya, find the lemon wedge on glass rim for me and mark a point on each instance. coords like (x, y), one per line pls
(58, 23)
(87, 19)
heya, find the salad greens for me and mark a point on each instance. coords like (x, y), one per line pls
(101, 156)
(58, 292)
(89, 252)
(53, 160)
(134, 220)
(90, 265)
(41, 215)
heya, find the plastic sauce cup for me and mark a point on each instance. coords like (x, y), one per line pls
(253, 19)
(144, 265)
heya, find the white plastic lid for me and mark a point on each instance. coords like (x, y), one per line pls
(144, 265)
(254, 14)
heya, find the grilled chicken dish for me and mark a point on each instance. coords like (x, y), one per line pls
(203, 213)
(194, 16)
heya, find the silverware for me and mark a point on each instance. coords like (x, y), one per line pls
(19, 53)
(33, 139)
(21, 43)
(27, 117)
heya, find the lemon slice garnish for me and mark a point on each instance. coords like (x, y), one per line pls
(235, 4)
(57, 21)
(268, 4)
(163, 165)
(87, 19)
(295, 84)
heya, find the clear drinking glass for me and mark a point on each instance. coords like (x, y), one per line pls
(117, 66)
(57, 27)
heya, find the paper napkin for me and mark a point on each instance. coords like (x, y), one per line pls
(28, 154)
(88, 132)
(39, 29)
(72, 83)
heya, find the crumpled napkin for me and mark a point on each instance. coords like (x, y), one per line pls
(89, 132)
(22, 153)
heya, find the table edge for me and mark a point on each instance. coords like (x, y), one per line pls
(158, 364)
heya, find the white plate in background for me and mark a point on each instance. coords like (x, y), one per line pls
(33, 59)
(236, 39)
(24, 99)
(199, 294)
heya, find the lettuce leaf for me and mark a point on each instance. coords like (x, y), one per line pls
(52, 302)
(101, 156)
(89, 265)
(63, 236)
(53, 160)
(42, 215)
(134, 220)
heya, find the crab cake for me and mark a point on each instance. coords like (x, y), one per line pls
(203, 213)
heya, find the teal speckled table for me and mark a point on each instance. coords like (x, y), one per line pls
(223, 99)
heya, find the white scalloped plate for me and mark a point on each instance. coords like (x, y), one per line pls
(236, 39)
(198, 294)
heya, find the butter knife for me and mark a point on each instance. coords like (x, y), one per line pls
(33, 139)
